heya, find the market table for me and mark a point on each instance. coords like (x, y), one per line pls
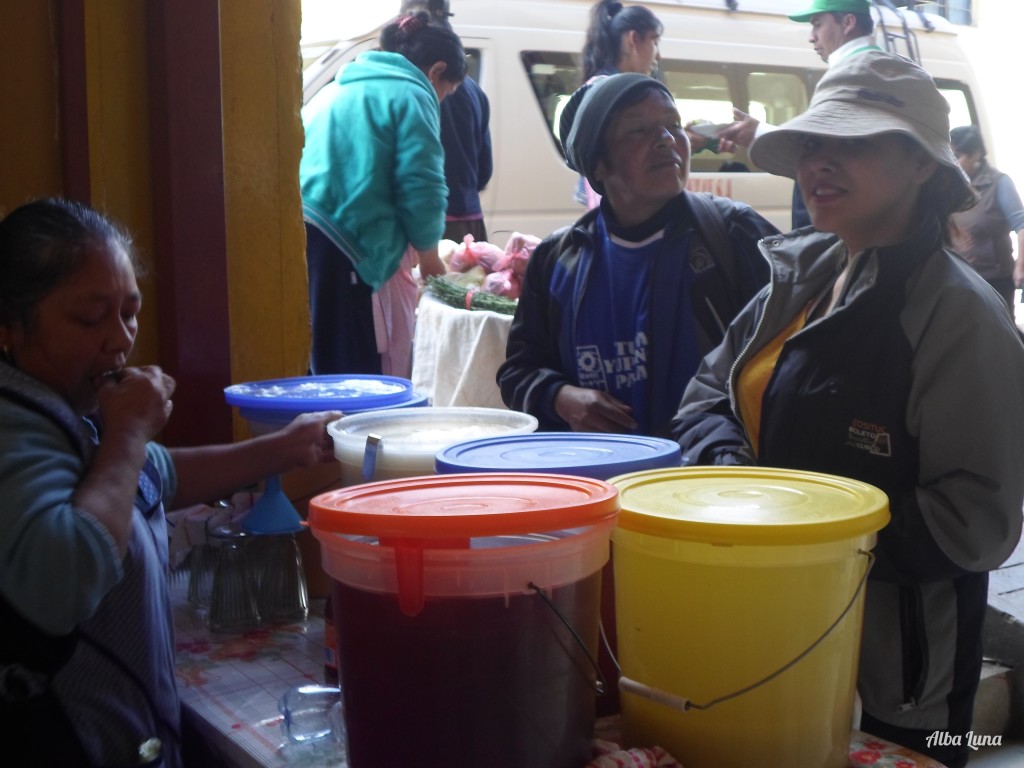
(230, 686)
(456, 354)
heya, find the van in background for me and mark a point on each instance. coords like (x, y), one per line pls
(715, 55)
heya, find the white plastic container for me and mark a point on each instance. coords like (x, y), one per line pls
(392, 444)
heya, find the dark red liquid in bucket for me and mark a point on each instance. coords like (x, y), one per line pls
(480, 682)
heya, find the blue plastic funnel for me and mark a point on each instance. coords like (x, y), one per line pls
(273, 512)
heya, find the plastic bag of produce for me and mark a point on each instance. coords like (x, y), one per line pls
(472, 253)
(504, 283)
(518, 251)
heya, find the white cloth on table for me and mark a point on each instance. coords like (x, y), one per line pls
(456, 354)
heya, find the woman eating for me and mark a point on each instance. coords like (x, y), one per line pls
(87, 651)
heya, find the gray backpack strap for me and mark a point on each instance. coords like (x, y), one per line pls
(713, 233)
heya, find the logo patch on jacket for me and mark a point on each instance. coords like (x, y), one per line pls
(873, 438)
(590, 367)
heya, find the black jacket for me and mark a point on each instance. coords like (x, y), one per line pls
(538, 356)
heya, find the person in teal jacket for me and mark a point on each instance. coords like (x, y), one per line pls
(372, 181)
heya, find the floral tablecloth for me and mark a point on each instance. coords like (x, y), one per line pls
(230, 686)
(866, 749)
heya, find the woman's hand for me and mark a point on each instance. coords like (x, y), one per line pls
(210, 472)
(591, 410)
(305, 442)
(430, 264)
(137, 403)
(133, 408)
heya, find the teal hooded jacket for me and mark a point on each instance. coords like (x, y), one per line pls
(372, 170)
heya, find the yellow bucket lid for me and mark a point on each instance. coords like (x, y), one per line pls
(749, 505)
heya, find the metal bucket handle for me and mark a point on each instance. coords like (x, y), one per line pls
(671, 700)
(600, 684)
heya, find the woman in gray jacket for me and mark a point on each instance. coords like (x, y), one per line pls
(867, 356)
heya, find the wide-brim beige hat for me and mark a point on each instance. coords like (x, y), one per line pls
(866, 94)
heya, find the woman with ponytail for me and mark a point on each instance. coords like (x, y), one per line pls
(620, 39)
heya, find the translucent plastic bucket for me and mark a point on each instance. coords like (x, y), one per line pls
(467, 615)
(388, 445)
(739, 598)
(588, 454)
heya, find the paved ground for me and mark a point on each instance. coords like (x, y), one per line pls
(1006, 586)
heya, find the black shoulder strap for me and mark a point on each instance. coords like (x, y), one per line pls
(712, 230)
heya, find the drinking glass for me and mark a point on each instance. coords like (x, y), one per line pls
(233, 605)
(282, 597)
(311, 712)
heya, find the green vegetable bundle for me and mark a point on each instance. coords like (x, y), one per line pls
(472, 298)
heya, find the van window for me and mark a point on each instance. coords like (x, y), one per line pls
(772, 96)
(473, 63)
(703, 91)
(961, 107)
(776, 97)
(553, 76)
(699, 95)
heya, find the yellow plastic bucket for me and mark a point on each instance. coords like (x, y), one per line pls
(739, 599)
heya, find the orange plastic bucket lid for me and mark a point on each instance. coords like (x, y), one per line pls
(465, 505)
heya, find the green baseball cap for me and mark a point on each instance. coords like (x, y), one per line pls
(833, 6)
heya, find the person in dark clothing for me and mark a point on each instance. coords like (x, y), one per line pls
(839, 28)
(468, 164)
(981, 235)
(617, 309)
(466, 138)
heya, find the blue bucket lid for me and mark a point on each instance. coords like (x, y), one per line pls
(283, 399)
(589, 454)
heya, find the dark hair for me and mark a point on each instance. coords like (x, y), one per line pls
(863, 23)
(438, 10)
(425, 44)
(610, 20)
(945, 193)
(942, 196)
(966, 140)
(44, 242)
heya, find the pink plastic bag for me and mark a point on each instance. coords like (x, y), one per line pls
(518, 251)
(503, 283)
(472, 253)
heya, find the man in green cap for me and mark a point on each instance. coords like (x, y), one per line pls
(838, 27)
